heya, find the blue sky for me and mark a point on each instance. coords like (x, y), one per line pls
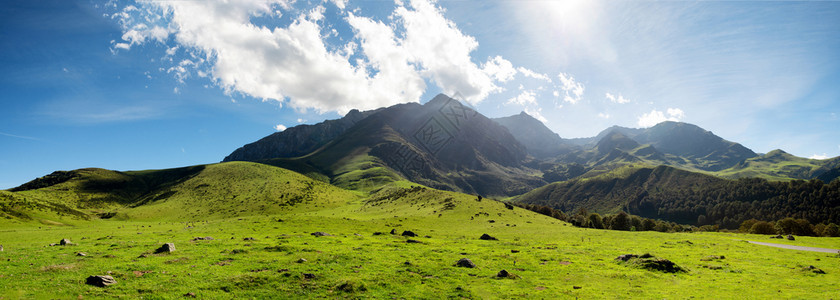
(131, 85)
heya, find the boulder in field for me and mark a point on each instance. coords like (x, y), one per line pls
(487, 237)
(650, 262)
(319, 233)
(505, 274)
(65, 242)
(166, 248)
(465, 263)
(100, 280)
(409, 233)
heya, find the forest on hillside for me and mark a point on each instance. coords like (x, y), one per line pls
(694, 199)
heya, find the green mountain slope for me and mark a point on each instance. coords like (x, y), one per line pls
(779, 165)
(222, 190)
(237, 189)
(442, 144)
(683, 197)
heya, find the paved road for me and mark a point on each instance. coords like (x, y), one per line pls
(803, 248)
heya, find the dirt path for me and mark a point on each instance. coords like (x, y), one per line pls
(803, 248)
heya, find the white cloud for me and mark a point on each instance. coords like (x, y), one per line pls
(299, 120)
(500, 69)
(676, 113)
(443, 51)
(279, 127)
(532, 74)
(341, 4)
(655, 117)
(524, 98)
(573, 90)
(397, 76)
(603, 115)
(295, 64)
(620, 99)
(556, 93)
(124, 46)
(819, 156)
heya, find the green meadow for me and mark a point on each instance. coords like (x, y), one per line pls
(261, 221)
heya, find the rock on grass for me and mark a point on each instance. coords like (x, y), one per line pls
(166, 248)
(505, 274)
(100, 280)
(465, 263)
(409, 233)
(650, 262)
(487, 237)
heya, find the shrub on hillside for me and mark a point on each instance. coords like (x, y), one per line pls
(762, 227)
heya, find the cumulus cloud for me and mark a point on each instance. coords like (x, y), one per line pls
(532, 74)
(676, 113)
(604, 115)
(819, 156)
(383, 64)
(341, 4)
(620, 99)
(443, 51)
(525, 98)
(573, 90)
(500, 69)
(279, 127)
(655, 117)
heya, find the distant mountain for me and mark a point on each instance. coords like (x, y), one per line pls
(540, 141)
(691, 198)
(780, 165)
(701, 148)
(442, 144)
(668, 143)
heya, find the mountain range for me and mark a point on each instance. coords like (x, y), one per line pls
(672, 171)
(447, 145)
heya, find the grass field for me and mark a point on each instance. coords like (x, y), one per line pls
(361, 259)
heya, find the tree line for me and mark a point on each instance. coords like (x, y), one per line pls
(627, 222)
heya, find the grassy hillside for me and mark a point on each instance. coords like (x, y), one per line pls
(222, 190)
(779, 165)
(691, 198)
(261, 257)
(236, 189)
